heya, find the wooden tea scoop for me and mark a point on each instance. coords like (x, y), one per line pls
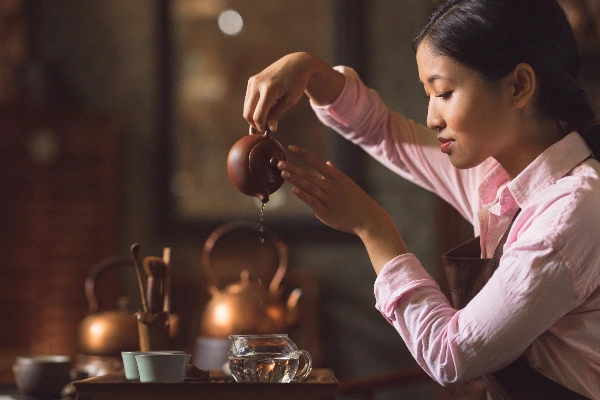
(155, 269)
(135, 253)
(167, 282)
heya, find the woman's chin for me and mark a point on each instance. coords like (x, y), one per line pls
(462, 162)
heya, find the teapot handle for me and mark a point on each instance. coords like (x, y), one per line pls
(90, 281)
(254, 131)
(280, 247)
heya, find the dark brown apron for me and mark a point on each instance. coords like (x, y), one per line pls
(467, 273)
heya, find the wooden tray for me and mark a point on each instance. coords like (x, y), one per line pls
(319, 385)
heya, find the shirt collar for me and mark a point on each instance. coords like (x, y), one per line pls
(554, 163)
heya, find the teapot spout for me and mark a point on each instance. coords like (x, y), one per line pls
(263, 197)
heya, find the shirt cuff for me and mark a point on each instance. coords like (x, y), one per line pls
(399, 276)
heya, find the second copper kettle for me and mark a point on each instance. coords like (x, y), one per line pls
(252, 164)
(246, 307)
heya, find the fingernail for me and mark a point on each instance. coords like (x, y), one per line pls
(281, 164)
(295, 190)
(285, 174)
(273, 126)
(292, 147)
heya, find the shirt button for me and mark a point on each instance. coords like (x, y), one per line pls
(506, 200)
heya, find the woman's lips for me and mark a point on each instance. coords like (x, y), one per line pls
(445, 144)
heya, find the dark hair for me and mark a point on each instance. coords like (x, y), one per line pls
(493, 36)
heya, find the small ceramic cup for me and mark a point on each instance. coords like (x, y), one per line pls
(130, 364)
(162, 367)
(42, 376)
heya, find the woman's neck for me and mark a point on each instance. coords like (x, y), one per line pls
(532, 142)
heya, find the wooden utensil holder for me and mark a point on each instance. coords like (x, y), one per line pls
(153, 330)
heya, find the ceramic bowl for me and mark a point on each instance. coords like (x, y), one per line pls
(130, 364)
(42, 376)
(162, 367)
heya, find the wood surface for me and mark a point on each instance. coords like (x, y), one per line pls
(319, 385)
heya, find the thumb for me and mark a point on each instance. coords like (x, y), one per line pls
(282, 105)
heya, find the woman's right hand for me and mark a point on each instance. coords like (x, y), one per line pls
(277, 88)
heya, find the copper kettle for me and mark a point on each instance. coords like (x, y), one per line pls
(104, 333)
(252, 164)
(247, 307)
(107, 333)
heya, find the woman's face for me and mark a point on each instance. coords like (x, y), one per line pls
(472, 116)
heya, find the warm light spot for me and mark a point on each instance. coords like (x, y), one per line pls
(97, 329)
(222, 315)
(231, 22)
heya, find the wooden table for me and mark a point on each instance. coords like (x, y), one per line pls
(319, 385)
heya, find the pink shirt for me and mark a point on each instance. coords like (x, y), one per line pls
(542, 301)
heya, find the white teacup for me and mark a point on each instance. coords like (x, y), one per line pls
(162, 367)
(130, 363)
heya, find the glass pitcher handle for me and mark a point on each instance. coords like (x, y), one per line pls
(300, 376)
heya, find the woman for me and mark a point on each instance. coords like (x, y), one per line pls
(517, 140)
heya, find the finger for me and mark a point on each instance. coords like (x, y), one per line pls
(305, 184)
(295, 170)
(284, 104)
(263, 107)
(314, 161)
(250, 101)
(317, 206)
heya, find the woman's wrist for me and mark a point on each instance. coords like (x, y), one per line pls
(382, 241)
(325, 83)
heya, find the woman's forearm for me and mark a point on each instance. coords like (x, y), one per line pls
(325, 83)
(382, 241)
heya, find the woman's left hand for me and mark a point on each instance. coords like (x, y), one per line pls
(341, 204)
(335, 198)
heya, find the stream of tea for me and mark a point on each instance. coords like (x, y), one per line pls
(261, 219)
(262, 240)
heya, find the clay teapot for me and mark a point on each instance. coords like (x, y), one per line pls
(247, 307)
(252, 164)
(107, 333)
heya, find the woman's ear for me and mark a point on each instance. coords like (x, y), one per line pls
(521, 83)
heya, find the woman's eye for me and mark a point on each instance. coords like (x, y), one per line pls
(445, 95)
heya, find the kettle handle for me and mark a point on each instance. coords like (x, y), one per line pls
(280, 247)
(90, 281)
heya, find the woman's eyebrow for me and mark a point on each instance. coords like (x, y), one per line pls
(435, 77)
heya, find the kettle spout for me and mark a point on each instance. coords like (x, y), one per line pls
(293, 299)
(292, 316)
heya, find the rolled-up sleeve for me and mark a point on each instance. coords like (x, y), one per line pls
(529, 292)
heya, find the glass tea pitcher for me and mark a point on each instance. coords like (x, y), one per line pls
(267, 359)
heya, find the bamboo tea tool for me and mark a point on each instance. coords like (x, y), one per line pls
(155, 269)
(168, 277)
(135, 253)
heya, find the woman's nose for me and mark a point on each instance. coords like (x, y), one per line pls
(434, 119)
